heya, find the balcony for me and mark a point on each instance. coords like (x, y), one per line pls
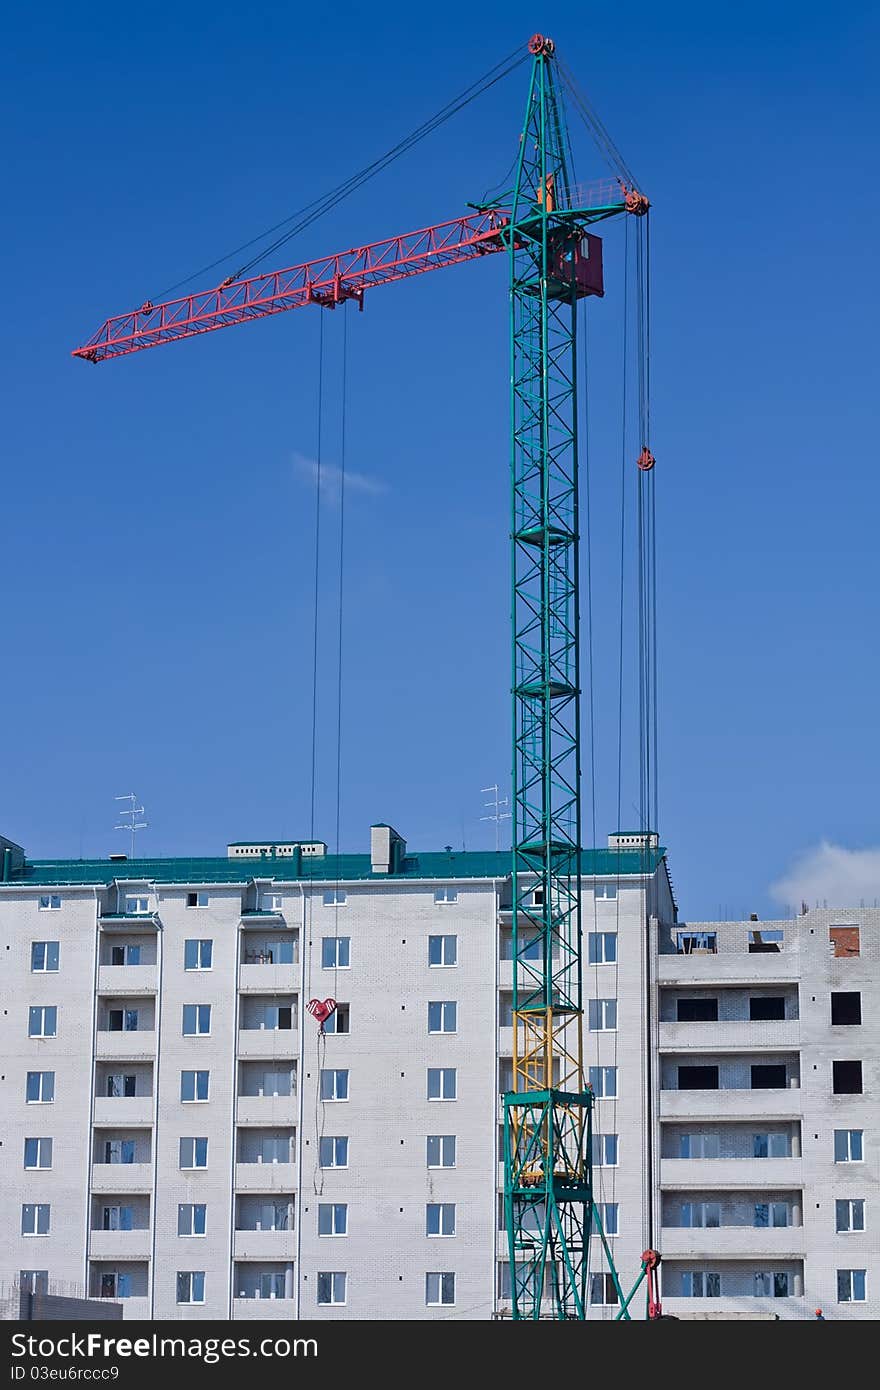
(732, 1242)
(130, 921)
(267, 1044)
(264, 1245)
(123, 1111)
(254, 916)
(137, 1046)
(119, 980)
(265, 1177)
(731, 1105)
(122, 1178)
(259, 1309)
(740, 1035)
(269, 1111)
(730, 968)
(119, 1245)
(268, 979)
(731, 1173)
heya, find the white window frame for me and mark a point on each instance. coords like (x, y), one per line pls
(191, 1275)
(43, 1144)
(192, 1139)
(597, 948)
(271, 902)
(445, 1220)
(443, 963)
(444, 1006)
(43, 1010)
(446, 894)
(609, 1293)
(42, 1213)
(46, 968)
(49, 902)
(333, 1139)
(441, 1288)
(702, 1276)
(196, 1099)
(598, 1077)
(132, 907)
(192, 1209)
(443, 1074)
(127, 947)
(201, 898)
(38, 1100)
(197, 1031)
(335, 1073)
(599, 1012)
(340, 1013)
(770, 1136)
(849, 1145)
(850, 1204)
(329, 1214)
(852, 1282)
(334, 897)
(442, 1141)
(609, 1215)
(600, 1149)
(336, 942)
(605, 892)
(696, 1216)
(697, 1144)
(199, 942)
(333, 1301)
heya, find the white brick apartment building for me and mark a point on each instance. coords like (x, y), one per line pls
(177, 1132)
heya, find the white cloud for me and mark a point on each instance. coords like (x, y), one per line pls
(831, 874)
(331, 479)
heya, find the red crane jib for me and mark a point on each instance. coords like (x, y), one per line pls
(328, 282)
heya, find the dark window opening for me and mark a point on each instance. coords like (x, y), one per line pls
(847, 1078)
(697, 1010)
(844, 941)
(698, 1078)
(846, 1008)
(768, 1077)
(762, 941)
(764, 1006)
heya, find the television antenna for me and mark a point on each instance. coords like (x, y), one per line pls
(132, 825)
(495, 806)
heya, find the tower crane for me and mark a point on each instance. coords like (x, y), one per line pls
(543, 227)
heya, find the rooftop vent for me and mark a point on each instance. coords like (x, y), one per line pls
(118, 858)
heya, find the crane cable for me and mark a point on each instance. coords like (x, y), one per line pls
(311, 212)
(595, 126)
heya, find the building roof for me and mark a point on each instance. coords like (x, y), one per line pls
(461, 864)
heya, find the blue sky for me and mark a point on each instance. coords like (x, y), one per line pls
(159, 511)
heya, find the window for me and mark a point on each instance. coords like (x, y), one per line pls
(844, 941)
(122, 1020)
(194, 1153)
(696, 1011)
(197, 955)
(532, 950)
(700, 1283)
(196, 1020)
(332, 1219)
(848, 1145)
(700, 1215)
(339, 1021)
(442, 1016)
(278, 1083)
(439, 1290)
(334, 1084)
(272, 1285)
(603, 1015)
(332, 1288)
(35, 1219)
(191, 1220)
(851, 1286)
(603, 1081)
(773, 1145)
(605, 1150)
(120, 1084)
(602, 947)
(336, 952)
(38, 1153)
(605, 892)
(441, 1151)
(136, 905)
(50, 902)
(443, 950)
(440, 1219)
(699, 1146)
(538, 897)
(771, 1284)
(602, 1290)
(117, 1218)
(115, 1284)
(698, 1078)
(40, 1089)
(191, 1286)
(42, 1021)
(771, 1214)
(847, 1078)
(44, 956)
(335, 897)
(764, 942)
(125, 955)
(689, 943)
(194, 1085)
(197, 900)
(119, 1151)
(768, 1076)
(766, 1006)
(845, 1008)
(607, 1213)
(333, 1151)
(446, 895)
(271, 902)
(441, 1083)
(33, 1280)
(849, 1214)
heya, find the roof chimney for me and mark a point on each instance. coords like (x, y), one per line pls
(387, 850)
(753, 917)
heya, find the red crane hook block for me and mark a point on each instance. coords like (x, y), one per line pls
(646, 460)
(321, 1009)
